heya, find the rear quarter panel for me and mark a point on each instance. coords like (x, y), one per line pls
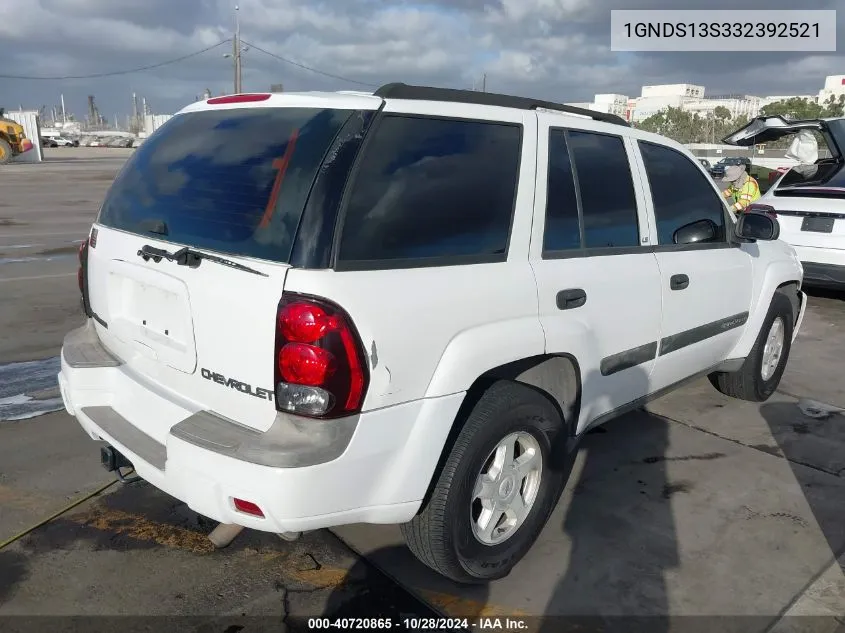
(432, 331)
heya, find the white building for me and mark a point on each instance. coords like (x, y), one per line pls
(606, 103)
(689, 97)
(673, 90)
(655, 99)
(615, 104)
(738, 105)
(648, 106)
(834, 86)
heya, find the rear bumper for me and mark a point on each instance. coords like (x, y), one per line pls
(303, 474)
(823, 267)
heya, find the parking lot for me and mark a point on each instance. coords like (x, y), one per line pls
(697, 506)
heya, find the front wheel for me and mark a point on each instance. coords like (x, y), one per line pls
(760, 374)
(496, 490)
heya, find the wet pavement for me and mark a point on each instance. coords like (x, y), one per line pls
(29, 389)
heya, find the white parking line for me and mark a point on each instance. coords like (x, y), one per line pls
(38, 277)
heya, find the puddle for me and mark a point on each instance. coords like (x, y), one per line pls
(29, 389)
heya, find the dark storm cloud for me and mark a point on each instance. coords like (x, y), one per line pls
(557, 49)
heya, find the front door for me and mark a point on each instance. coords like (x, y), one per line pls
(705, 278)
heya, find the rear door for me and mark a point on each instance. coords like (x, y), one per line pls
(598, 281)
(705, 285)
(232, 183)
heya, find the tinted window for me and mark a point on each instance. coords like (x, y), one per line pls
(561, 231)
(681, 193)
(433, 188)
(232, 180)
(604, 180)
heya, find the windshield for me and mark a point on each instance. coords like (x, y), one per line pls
(233, 181)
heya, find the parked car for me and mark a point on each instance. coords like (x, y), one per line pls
(48, 142)
(718, 170)
(809, 200)
(62, 141)
(414, 316)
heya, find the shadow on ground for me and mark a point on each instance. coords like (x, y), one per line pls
(813, 448)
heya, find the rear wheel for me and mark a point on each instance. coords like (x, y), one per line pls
(496, 490)
(5, 152)
(760, 374)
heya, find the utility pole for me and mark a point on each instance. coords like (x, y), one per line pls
(484, 82)
(237, 52)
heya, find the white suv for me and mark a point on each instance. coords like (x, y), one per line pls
(406, 307)
(809, 200)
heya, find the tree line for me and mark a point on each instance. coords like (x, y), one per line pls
(692, 127)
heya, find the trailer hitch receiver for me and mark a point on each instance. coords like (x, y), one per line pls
(112, 459)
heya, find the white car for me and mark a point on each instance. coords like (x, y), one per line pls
(64, 142)
(407, 307)
(809, 200)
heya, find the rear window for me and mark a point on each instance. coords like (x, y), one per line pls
(233, 180)
(432, 191)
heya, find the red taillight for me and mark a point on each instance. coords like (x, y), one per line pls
(247, 507)
(303, 364)
(304, 322)
(320, 364)
(242, 98)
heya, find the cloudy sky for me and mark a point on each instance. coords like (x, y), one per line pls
(554, 49)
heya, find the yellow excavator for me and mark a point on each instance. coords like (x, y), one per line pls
(13, 141)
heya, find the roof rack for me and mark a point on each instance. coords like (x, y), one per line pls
(429, 93)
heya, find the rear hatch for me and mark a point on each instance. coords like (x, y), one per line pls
(198, 326)
(809, 198)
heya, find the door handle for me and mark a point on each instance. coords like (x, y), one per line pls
(571, 298)
(678, 282)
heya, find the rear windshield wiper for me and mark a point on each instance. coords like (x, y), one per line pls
(191, 258)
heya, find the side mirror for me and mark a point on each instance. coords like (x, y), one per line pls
(753, 226)
(695, 232)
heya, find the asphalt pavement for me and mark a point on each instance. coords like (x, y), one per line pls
(717, 512)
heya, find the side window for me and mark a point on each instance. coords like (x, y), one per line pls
(680, 192)
(606, 188)
(433, 188)
(608, 202)
(562, 231)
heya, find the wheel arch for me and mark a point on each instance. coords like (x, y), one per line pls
(555, 376)
(779, 276)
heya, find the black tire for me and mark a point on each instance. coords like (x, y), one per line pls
(441, 534)
(747, 382)
(5, 152)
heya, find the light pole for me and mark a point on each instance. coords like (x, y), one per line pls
(236, 52)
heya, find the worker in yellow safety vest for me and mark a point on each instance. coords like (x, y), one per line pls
(743, 189)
